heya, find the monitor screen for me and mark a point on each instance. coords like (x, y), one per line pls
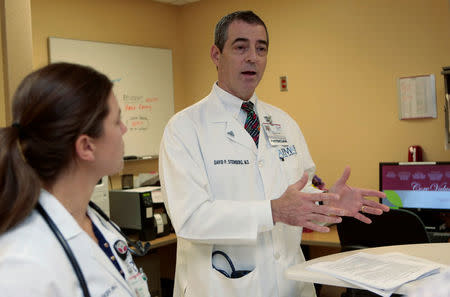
(416, 185)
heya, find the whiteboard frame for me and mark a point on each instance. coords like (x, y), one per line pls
(139, 72)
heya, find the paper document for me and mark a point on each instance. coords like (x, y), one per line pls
(381, 274)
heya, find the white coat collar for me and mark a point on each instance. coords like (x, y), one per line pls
(216, 104)
(231, 103)
(58, 213)
(69, 228)
(223, 106)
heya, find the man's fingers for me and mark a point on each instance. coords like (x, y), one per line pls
(327, 211)
(372, 193)
(316, 227)
(376, 205)
(371, 210)
(362, 218)
(301, 183)
(324, 197)
(324, 218)
(331, 211)
(344, 177)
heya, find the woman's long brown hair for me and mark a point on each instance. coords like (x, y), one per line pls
(51, 108)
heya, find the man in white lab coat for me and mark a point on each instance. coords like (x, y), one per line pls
(238, 198)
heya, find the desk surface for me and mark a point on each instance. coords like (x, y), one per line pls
(329, 239)
(162, 241)
(437, 252)
(157, 242)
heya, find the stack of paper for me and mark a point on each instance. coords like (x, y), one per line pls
(381, 274)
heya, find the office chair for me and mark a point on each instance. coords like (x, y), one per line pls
(398, 226)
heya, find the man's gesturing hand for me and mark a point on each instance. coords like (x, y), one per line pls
(354, 200)
(297, 208)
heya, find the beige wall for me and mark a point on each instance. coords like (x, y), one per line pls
(2, 88)
(342, 59)
(135, 22)
(16, 51)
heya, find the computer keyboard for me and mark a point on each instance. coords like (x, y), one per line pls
(439, 236)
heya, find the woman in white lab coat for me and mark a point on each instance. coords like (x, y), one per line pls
(66, 135)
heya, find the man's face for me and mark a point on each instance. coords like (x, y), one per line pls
(242, 62)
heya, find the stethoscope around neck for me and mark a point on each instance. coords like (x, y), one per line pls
(138, 248)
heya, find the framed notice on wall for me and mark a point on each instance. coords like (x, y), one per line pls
(417, 97)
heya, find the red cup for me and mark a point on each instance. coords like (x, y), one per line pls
(414, 153)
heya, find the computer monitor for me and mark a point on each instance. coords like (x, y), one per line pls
(423, 187)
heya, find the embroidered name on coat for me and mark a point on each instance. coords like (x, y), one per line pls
(232, 162)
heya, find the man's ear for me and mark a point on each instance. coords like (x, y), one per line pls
(215, 55)
(85, 148)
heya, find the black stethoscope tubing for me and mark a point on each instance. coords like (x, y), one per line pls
(140, 249)
(66, 248)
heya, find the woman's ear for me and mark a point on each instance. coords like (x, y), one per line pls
(85, 148)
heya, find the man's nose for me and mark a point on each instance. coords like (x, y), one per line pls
(251, 55)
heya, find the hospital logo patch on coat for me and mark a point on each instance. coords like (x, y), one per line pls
(286, 151)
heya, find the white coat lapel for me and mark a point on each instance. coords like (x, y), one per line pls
(217, 115)
(82, 245)
(237, 133)
(98, 256)
(60, 216)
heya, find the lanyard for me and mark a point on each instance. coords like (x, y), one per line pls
(138, 248)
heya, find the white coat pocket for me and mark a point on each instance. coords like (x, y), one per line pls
(245, 286)
(289, 158)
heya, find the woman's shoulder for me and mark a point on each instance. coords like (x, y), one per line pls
(30, 238)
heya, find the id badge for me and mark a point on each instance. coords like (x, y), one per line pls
(275, 134)
(138, 283)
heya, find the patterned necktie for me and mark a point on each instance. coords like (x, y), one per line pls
(252, 122)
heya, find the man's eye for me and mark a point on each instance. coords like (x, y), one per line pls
(262, 50)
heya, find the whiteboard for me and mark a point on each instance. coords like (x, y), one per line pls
(143, 85)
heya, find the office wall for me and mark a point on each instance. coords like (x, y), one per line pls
(342, 59)
(135, 22)
(16, 51)
(2, 89)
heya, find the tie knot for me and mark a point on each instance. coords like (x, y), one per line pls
(247, 106)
